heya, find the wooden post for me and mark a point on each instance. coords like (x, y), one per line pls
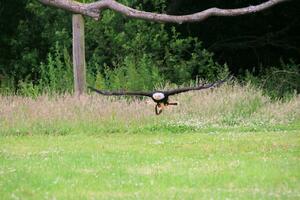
(79, 67)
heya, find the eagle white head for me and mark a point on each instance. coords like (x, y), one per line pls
(158, 96)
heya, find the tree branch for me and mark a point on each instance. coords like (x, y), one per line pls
(94, 10)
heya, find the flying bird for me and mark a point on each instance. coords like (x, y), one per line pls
(161, 98)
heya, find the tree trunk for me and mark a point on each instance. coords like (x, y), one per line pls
(79, 67)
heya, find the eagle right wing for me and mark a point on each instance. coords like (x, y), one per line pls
(120, 93)
(201, 87)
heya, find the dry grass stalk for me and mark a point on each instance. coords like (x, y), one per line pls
(227, 105)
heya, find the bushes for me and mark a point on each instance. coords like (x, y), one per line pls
(56, 75)
(278, 82)
(133, 74)
(120, 54)
(178, 59)
(136, 55)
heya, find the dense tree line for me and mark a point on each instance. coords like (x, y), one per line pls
(35, 45)
(249, 41)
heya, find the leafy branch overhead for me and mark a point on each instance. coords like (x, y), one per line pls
(94, 10)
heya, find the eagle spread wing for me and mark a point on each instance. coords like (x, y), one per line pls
(119, 93)
(167, 93)
(201, 87)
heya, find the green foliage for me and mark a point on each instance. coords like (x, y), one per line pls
(130, 75)
(142, 54)
(28, 89)
(56, 74)
(278, 82)
(7, 85)
(28, 37)
(179, 59)
(121, 53)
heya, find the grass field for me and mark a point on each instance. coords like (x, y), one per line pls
(230, 165)
(230, 143)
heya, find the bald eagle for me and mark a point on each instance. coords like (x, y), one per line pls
(161, 98)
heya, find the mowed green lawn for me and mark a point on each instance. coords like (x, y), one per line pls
(212, 165)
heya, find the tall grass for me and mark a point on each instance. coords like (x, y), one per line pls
(227, 106)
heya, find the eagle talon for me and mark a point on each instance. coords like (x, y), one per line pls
(158, 109)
